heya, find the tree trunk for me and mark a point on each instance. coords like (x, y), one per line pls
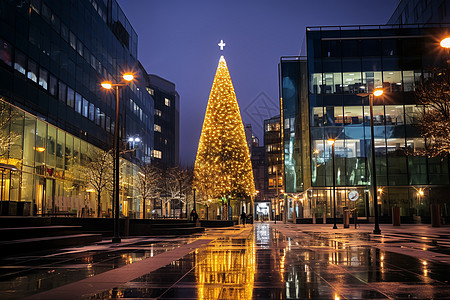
(98, 205)
(143, 208)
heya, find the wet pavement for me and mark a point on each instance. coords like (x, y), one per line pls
(263, 261)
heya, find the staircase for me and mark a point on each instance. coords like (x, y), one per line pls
(18, 240)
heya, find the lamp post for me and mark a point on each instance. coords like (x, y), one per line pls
(376, 93)
(332, 142)
(194, 201)
(284, 206)
(127, 77)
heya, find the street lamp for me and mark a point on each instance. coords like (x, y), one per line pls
(419, 198)
(445, 43)
(332, 142)
(376, 93)
(108, 85)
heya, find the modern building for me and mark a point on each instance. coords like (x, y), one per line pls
(274, 165)
(322, 99)
(166, 150)
(53, 57)
(421, 11)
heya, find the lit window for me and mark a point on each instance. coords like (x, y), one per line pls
(151, 91)
(156, 154)
(32, 71)
(20, 63)
(158, 113)
(167, 101)
(43, 78)
(157, 128)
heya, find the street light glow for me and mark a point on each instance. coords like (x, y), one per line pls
(445, 43)
(128, 76)
(378, 92)
(330, 141)
(106, 85)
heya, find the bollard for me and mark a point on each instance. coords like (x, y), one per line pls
(346, 217)
(396, 216)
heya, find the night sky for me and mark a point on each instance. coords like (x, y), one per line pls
(178, 41)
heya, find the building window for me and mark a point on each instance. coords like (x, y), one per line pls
(21, 62)
(167, 102)
(85, 108)
(158, 113)
(78, 103)
(32, 70)
(157, 154)
(108, 124)
(43, 78)
(62, 92)
(91, 112)
(72, 40)
(70, 97)
(97, 116)
(5, 52)
(157, 128)
(151, 91)
(53, 86)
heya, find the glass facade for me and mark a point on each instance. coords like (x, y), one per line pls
(53, 57)
(343, 65)
(50, 170)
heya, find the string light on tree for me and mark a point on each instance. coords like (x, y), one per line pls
(222, 166)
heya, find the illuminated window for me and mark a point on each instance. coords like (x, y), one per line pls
(157, 128)
(151, 91)
(158, 113)
(167, 102)
(156, 154)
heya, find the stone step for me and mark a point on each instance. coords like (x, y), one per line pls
(16, 233)
(148, 231)
(49, 242)
(172, 225)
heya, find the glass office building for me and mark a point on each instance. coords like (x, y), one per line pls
(53, 57)
(342, 64)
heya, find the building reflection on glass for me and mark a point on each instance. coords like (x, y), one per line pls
(226, 271)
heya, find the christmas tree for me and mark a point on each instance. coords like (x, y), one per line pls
(223, 167)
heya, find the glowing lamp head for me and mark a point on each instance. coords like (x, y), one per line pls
(128, 76)
(378, 92)
(445, 43)
(380, 190)
(282, 191)
(316, 151)
(106, 85)
(421, 192)
(330, 141)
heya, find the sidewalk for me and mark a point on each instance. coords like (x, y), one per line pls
(417, 240)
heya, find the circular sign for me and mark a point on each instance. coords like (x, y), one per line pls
(353, 195)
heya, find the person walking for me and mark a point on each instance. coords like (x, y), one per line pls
(243, 217)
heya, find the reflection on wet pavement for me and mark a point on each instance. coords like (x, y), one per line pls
(26, 275)
(266, 261)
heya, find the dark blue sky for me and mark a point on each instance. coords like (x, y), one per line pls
(178, 41)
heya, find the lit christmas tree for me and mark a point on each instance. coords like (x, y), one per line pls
(223, 167)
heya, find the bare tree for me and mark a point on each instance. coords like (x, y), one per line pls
(99, 173)
(433, 94)
(7, 137)
(148, 183)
